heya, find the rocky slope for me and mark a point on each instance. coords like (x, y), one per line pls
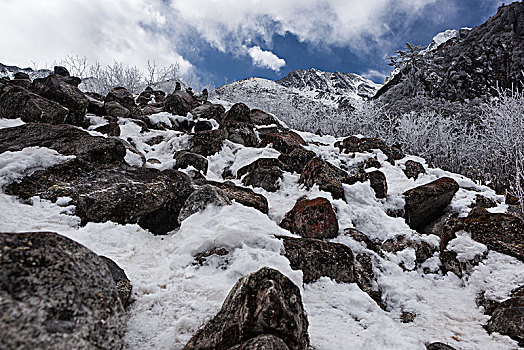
(174, 222)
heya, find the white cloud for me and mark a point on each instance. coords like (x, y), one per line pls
(266, 59)
(374, 75)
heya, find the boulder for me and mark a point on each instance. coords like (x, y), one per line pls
(122, 96)
(207, 143)
(209, 111)
(56, 294)
(259, 117)
(284, 142)
(178, 103)
(423, 250)
(200, 199)
(366, 279)
(21, 75)
(355, 144)
(75, 81)
(264, 302)
(317, 258)
(378, 183)
(262, 342)
(427, 202)
(112, 192)
(203, 125)
(267, 178)
(185, 158)
(116, 110)
(123, 285)
(297, 159)
(65, 139)
(110, 129)
(503, 233)
(242, 195)
(312, 218)
(508, 319)
(59, 70)
(260, 163)
(239, 112)
(484, 202)
(439, 346)
(413, 169)
(95, 106)
(69, 96)
(325, 175)
(241, 133)
(17, 102)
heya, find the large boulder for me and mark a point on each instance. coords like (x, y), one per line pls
(413, 169)
(325, 175)
(284, 142)
(239, 112)
(264, 302)
(185, 158)
(56, 294)
(60, 70)
(123, 284)
(268, 178)
(378, 183)
(17, 102)
(312, 218)
(112, 192)
(207, 143)
(259, 117)
(508, 319)
(200, 199)
(69, 96)
(122, 96)
(116, 110)
(427, 202)
(260, 163)
(262, 342)
(241, 133)
(355, 144)
(297, 159)
(65, 139)
(242, 195)
(209, 111)
(178, 103)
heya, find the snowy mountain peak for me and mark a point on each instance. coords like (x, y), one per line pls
(445, 36)
(346, 84)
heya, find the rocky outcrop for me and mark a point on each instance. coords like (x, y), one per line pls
(65, 139)
(427, 202)
(56, 294)
(200, 199)
(312, 218)
(325, 175)
(264, 302)
(17, 102)
(112, 192)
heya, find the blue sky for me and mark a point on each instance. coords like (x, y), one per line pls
(227, 40)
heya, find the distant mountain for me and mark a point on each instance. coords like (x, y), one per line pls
(10, 71)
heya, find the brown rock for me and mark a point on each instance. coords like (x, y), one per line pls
(313, 218)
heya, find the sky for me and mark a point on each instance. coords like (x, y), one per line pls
(221, 41)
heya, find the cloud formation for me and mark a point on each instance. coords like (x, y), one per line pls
(266, 59)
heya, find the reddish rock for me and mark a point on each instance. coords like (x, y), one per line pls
(326, 176)
(312, 218)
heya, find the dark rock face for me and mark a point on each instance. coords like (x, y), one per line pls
(259, 117)
(203, 125)
(241, 133)
(178, 103)
(378, 183)
(209, 111)
(264, 302)
(355, 144)
(123, 285)
(366, 280)
(439, 346)
(59, 70)
(184, 159)
(313, 218)
(500, 232)
(116, 110)
(326, 176)
(413, 169)
(427, 202)
(56, 294)
(111, 129)
(207, 143)
(95, 106)
(317, 258)
(17, 102)
(297, 159)
(262, 342)
(239, 112)
(112, 192)
(284, 142)
(508, 319)
(260, 163)
(21, 75)
(267, 178)
(242, 195)
(69, 96)
(200, 199)
(423, 250)
(121, 96)
(64, 139)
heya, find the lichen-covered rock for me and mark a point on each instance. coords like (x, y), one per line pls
(239, 112)
(56, 294)
(185, 158)
(508, 319)
(17, 102)
(325, 175)
(264, 302)
(69, 96)
(284, 142)
(242, 195)
(297, 159)
(65, 139)
(317, 258)
(112, 192)
(378, 183)
(262, 342)
(207, 143)
(260, 163)
(239, 132)
(178, 103)
(200, 199)
(427, 202)
(312, 218)
(123, 285)
(209, 111)
(413, 169)
(267, 178)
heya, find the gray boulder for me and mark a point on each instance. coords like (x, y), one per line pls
(200, 199)
(267, 178)
(185, 158)
(123, 284)
(116, 110)
(207, 142)
(178, 103)
(262, 342)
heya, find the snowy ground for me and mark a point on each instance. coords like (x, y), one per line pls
(173, 297)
